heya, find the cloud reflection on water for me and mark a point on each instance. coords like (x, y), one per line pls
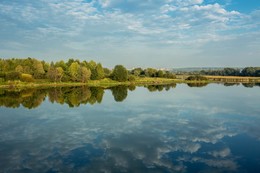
(129, 136)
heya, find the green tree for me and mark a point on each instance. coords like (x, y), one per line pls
(19, 69)
(107, 72)
(53, 73)
(59, 73)
(61, 64)
(85, 74)
(120, 73)
(38, 70)
(150, 72)
(100, 71)
(74, 71)
(13, 75)
(137, 71)
(26, 77)
(160, 73)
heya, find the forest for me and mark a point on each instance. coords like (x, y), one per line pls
(31, 69)
(247, 71)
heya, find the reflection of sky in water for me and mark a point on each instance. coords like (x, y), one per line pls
(214, 128)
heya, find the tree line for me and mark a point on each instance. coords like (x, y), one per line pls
(31, 69)
(247, 71)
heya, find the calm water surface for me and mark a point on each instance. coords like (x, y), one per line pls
(172, 129)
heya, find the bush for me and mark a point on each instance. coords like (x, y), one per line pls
(2, 75)
(131, 78)
(12, 75)
(196, 77)
(26, 77)
(2, 80)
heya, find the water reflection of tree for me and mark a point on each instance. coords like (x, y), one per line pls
(197, 84)
(74, 96)
(119, 93)
(131, 87)
(35, 100)
(231, 84)
(247, 85)
(153, 88)
(29, 98)
(250, 85)
(96, 95)
(32, 98)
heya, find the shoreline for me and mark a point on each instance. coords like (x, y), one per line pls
(106, 83)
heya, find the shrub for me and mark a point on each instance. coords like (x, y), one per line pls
(131, 78)
(2, 80)
(196, 77)
(12, 75)
(26, 77)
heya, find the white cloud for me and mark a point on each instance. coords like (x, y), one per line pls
(221, 153)
(78, 8)
(172, 24)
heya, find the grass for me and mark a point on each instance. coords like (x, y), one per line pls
(138, 81)
(19, 84)
(107, 82)
(104, 83)
(243, 79)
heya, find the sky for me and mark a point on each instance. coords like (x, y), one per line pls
(135, 33)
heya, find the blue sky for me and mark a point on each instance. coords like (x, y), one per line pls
(155, 33)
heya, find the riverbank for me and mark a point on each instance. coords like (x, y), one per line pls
(104, 83)
(223, 79)
(139, 81)
(234, 79)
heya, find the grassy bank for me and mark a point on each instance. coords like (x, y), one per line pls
(139, 81)
(104, 83)
(233, 79)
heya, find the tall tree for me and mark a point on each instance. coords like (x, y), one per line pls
(74, 71)
(120, 73)
(85, 74)
(100, 71)
(19, 69)
(51, 74)
(38, 70)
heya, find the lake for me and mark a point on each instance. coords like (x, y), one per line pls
(173, 128)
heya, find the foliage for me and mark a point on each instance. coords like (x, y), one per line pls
(251, 71)
(247, 71)
(98, 72)
(120, 73)
(85, 74)
(13, 75)
(131, 78)
(83, 71)
(53, 73)
(196, 84)
(26, 77)
(151, 72)
(197, 78)
(74, 71)
(119, 93)
(107, 72)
